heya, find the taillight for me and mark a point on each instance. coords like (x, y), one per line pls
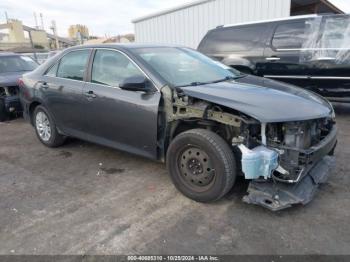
(20, 83)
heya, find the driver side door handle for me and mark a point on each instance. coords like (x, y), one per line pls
(44, 85)
(272, 58)
(90, 94)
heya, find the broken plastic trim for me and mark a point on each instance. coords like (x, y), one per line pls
(278, 196)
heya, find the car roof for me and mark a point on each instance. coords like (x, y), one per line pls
(290, 18)
(8, 54)
(123, 46)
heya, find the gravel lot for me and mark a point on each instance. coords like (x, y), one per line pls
(84, 198)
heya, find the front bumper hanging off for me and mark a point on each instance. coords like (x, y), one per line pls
(277, 196)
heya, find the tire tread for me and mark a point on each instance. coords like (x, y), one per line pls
(223, 149)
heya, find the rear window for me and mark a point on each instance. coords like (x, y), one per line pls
(336, 33)
(231, 39)
(16, 64)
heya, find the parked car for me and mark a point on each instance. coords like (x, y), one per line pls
(53, 53)
(312, 51)
(12, 66)
(208, 123)
(41, 57)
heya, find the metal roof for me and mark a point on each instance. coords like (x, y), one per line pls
(324, 6)
(200, 2)
(171, 10)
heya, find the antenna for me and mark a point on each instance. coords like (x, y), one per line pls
(42, 21)
(36, 21)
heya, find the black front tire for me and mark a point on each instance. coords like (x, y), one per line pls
(193, 152)
(55, 139)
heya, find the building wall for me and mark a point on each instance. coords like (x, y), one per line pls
(39, 37)
(16, 33)
(74, 29)
(187, 26)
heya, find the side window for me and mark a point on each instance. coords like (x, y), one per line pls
(336, 33)
(52, 71)
(73, 65)
(232, 39)
(289, 36)
(111, 68)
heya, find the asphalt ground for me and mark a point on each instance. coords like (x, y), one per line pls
(87, 199)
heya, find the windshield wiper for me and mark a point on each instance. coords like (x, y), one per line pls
(227, 78)
(193, 84)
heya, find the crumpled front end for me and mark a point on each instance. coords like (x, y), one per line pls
(277, 196)
(286, 162)
(10, 96)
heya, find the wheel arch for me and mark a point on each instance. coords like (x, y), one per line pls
(31, 109)
(178, 127)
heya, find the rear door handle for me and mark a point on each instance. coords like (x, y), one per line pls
(90, 94)
(325, 58)
(44, 85)
(273, 58)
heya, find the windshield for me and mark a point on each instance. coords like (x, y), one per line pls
(183, 67)
(16, 64)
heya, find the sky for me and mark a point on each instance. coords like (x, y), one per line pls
(102, 17)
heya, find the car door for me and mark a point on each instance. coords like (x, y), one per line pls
(283, 54)
(62, 87)
(330, 58)
(120, 118)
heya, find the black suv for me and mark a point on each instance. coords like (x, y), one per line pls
(309, 51)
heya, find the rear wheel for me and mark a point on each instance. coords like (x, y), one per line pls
(45, 128)
(201, 165)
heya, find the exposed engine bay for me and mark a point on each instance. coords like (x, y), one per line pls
(291, 142)
(285, 161)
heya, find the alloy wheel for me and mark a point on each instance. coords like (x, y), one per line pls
(43, 127)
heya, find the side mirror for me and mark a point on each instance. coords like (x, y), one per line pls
(136, 83)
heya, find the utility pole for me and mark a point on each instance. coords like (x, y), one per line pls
(54, 30)
(36, 21)
(42, 21)
(7, 17)
(32, 44)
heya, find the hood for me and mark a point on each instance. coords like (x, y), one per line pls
(265, 100)
(10, 78)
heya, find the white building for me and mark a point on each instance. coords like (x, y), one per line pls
(187, 24)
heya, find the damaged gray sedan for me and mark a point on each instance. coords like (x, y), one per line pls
(208, 122)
